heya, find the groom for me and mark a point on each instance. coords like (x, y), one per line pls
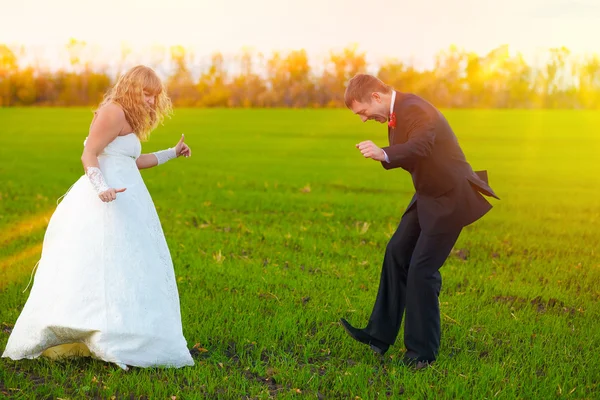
(448, 197)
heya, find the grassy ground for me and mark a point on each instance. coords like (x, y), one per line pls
(277, 228)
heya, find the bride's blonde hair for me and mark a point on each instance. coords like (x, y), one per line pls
(128, 92)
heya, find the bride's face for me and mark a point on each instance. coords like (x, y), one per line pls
(149, 98)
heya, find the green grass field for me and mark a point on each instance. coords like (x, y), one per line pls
(277, 228)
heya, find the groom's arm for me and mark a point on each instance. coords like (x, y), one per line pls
(421, 137)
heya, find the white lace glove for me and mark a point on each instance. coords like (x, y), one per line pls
(165, 155)
(97, 179)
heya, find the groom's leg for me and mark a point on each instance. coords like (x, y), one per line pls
(424, 282)
(386, 317)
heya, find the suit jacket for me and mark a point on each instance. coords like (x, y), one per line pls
(448, 192)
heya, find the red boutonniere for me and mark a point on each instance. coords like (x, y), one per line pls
(392, 123)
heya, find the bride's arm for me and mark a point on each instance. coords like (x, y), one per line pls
(109, 121)
(146, 161)
(162, 156)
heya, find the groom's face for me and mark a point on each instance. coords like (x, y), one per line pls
(375, 109)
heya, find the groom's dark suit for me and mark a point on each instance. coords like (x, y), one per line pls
(448, 197)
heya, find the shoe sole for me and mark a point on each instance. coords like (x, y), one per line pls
(377, 349)
(418, 365)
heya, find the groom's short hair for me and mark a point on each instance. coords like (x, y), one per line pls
(361, 86)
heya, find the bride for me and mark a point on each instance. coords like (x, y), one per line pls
(105, 285)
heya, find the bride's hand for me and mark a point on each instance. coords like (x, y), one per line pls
(182, 149)
(111, 194)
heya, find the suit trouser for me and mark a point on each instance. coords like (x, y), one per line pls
(411, 282)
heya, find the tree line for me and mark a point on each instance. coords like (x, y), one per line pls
(458, 79)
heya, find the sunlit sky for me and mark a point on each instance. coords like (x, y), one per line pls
(403, 29)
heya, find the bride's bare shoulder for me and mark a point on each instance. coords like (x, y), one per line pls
(109, 118)
(112, 111)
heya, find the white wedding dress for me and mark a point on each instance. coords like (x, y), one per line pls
(105, 284)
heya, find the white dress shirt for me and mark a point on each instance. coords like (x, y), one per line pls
(387, 159)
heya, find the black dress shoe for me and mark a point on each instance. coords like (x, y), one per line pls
(359, 335)
(416, 363)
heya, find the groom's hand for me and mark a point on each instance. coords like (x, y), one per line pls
(370, 150)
